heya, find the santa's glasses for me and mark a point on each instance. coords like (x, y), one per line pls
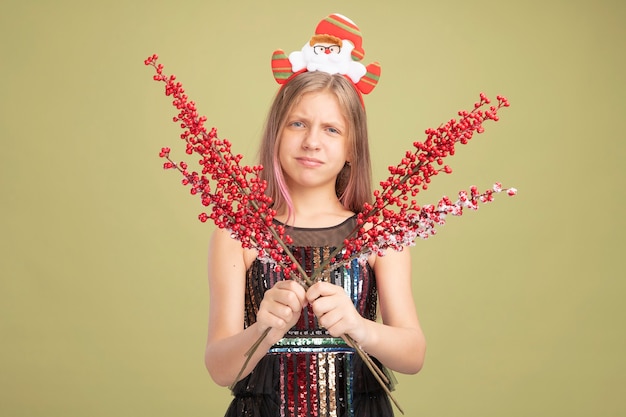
(322, 49)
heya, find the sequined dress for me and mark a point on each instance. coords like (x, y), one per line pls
(309, 373)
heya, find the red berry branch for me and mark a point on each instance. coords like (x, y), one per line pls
(395, 219)
(234, 193)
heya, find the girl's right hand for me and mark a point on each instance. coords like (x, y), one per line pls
(280, 308)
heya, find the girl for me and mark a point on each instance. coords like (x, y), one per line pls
(317, 164)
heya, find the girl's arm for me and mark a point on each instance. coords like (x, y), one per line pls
(227, 340)
(398, 342)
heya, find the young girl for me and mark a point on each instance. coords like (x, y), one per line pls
(317, 164)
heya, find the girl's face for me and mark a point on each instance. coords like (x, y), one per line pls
(313, 145)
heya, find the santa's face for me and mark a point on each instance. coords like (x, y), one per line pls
(328, 57)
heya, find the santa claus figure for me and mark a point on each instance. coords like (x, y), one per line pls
(335, 48)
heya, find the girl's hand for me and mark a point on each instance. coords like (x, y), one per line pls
(280, 308)
(335, 311)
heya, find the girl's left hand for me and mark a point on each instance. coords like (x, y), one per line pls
(335, 311)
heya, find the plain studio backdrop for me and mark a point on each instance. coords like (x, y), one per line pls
(103, 292)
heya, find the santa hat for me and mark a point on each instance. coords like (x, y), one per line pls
(345, 29)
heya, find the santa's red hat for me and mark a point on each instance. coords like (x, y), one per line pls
(345, 29)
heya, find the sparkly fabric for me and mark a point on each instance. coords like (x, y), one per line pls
(309, 373)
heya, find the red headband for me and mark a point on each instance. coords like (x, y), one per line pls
(334, 58)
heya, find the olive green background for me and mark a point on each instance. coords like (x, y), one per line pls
(103, 294)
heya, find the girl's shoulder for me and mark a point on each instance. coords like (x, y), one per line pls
(224, 246)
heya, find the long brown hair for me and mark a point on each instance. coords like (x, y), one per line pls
(353, 185)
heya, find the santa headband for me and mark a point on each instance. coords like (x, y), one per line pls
(335, 48)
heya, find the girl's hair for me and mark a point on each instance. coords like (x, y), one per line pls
(353, 186)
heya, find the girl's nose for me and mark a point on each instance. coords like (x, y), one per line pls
(311, 139)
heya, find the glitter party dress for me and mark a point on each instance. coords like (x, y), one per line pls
(309, 373)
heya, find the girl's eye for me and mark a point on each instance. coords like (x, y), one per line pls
(333, 130)
(297, 124)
